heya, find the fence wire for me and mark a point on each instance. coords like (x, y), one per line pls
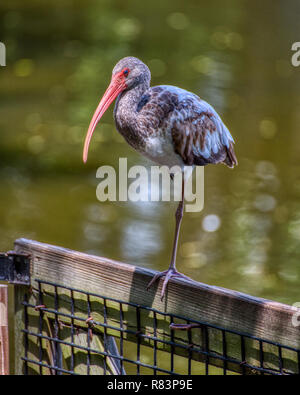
(69, 331)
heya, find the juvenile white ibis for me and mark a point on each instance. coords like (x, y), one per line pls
(169, 125)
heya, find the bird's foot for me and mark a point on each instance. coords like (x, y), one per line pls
(167, 274)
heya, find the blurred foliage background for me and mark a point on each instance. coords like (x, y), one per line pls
(60, 54)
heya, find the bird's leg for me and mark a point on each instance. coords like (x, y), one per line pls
(172, 272)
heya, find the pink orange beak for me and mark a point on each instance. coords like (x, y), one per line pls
(116, 86)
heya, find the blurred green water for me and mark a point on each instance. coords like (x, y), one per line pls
(59, 60)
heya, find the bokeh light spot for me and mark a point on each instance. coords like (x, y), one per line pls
(265, 202)
(178, 21)
(203, 64)
(23, 67)
(267, 128)
(211, 223)
(36, 144)
(234, 41)
(127, 28)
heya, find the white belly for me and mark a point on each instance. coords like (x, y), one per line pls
(161, 150)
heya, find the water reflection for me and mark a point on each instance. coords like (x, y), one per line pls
(140, 239)
(247, 237)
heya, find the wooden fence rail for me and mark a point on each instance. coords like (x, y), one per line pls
(225, 308)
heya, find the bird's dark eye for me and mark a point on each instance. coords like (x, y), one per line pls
(126, 72)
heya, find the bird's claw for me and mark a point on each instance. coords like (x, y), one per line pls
(167, 274)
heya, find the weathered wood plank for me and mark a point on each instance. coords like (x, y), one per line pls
(216, 306)
(19, 292)
(4, 340)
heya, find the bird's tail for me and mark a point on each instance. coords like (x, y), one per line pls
(231, 159)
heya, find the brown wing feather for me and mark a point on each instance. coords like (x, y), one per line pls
(202, 138)
(231, 159)
(198, 134)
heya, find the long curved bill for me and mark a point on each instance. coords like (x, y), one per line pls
(116, 86)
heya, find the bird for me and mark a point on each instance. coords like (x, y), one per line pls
(169, 125)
